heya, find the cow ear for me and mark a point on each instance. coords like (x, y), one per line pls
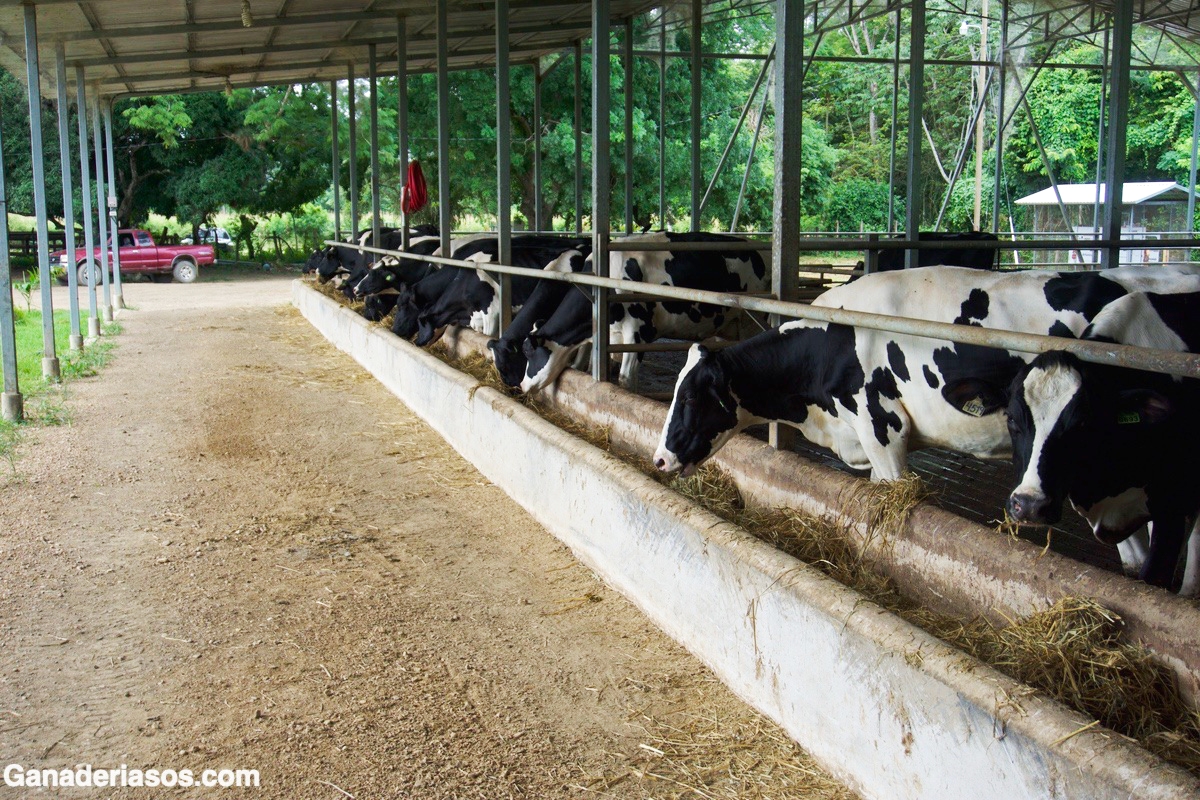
(491, 344)
(1143, 406)
(975, 397)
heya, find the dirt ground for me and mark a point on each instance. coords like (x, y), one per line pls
(242, 552)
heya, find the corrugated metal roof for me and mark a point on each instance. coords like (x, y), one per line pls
(131, 46)
(1084, 194)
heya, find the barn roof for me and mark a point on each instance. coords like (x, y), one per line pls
(1084, 194)
(135, 47)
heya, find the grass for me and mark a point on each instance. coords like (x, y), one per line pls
(45, 401)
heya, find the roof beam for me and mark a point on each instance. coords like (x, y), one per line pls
(234, 52)
(223, 25)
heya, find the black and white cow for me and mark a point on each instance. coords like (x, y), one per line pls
(964, 256)
(412, 300)
(349, 264)
(508, 351)
(872, 396)
(1120, 444)
(472, 298)
(386, 275)
(552, 346)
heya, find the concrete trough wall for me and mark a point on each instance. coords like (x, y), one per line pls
(890, 710)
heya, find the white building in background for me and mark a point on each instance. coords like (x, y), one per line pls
(1149, 209)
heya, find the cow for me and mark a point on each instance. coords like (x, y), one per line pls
(508, 352)
(412, 300)
(550, 348)
(348, 264)
(387, 274)
(965, 256)
(871, 396)
(472, 298)
(1118, 443)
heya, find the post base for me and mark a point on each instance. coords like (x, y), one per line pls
(121, 302)
(76, 341)
(50, 369)
(108, 314)
(93, 327)
(12, 406)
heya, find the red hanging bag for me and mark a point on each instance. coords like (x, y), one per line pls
(415, 193)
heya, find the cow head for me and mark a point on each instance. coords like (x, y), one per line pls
(545, 359)
(428, 329)
(404, 323)
(380, 278)
(509, 359)
(326, 263)
(704, 414)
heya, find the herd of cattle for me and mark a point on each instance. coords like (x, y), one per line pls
(1116, 443)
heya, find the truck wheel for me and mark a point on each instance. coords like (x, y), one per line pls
(185, 270)
(82, 273)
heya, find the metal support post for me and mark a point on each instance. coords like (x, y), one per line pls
(697, 67)
(443, 118)
(101, 204)
(503, 161)
(85, 191)
(1191, 208)
(373, 75)
(1118, 120)
(402, 119)
(601, 173)
(785, 244)
(64, 151)
(11, 402)
(1100, 120)
(335, 160)
(537, 220)
(352, 111)
(628, 61)
(662, 120)
(998, 179)
(113, 222)
(33, 78)
(579, 136)
(916, 108)
(891, 203)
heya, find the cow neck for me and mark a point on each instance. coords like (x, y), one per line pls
(776, 376)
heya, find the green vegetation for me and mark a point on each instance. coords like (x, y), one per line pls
(45, 401)
(256, 161)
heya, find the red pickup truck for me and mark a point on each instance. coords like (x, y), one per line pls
(141, 256)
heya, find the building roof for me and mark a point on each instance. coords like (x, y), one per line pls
(1085, 194)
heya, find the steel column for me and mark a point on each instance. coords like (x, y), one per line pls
(1118, 120)
(85, 191)
(601, 173)
(443, 118)
(537, 149)
(579, 136)
(373, 74)
(1002, 58)
(503, 161)
(891, 203)
(101, 203)
(1100, 119)
(1191, 209)
(335, 160)
(64, 151)
(49, 358)
(697, 67)
(11, 402)
(628, 125)
(662, 121)
(789, 119)
(352, 111)
(402, 118)
(113, 222)
(916, 108)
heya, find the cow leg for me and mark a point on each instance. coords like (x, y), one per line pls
(1134, 552)
(1191, 572)
(583, 357)
(1166, 540)
(889, 459)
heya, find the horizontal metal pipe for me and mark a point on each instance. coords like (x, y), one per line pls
(1172, 363)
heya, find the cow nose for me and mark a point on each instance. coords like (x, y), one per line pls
(660, 463)
(1027, 507)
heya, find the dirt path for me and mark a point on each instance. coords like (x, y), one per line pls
(244, 553)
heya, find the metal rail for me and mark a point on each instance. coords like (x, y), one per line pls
(1170, 362)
